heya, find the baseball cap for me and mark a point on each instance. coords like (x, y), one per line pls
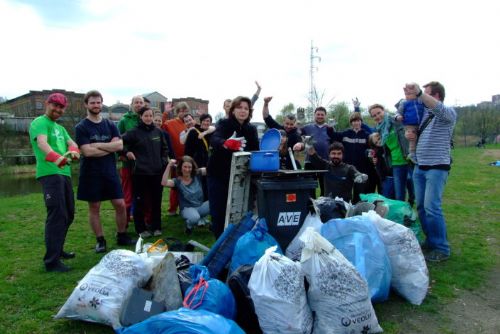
(58, 98)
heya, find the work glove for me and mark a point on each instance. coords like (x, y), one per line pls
(234, 143)
(308, 142)
(73, 153)
(56, 158)
(361, 178)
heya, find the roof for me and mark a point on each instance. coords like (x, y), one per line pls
(155, 96)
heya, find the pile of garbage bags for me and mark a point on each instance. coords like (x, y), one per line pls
(325, 281)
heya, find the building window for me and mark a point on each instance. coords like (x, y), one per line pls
(39, 105)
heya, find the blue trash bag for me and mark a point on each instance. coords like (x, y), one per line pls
(186, 321)
(252, 245)
(221, 252)
(209, 294)
(358, 240)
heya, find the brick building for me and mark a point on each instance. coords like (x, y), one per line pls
(157, 101)
(198, 106)
(32, 104)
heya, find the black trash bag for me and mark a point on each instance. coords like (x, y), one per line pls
(175, 245)
(245, 311)
(185, 280)
(329, 208)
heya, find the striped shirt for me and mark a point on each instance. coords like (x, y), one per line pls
(433, 147)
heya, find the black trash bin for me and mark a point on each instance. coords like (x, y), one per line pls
(283, 202)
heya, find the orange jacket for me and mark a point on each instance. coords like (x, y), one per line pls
(174, 127)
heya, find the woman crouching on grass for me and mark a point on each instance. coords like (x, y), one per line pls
(188, 184)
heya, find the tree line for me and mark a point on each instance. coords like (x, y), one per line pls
(474, 122)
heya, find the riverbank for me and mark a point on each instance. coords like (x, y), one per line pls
(27, 170)
(20, 170)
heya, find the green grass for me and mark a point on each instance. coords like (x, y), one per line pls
(31, 297)
(472, 212)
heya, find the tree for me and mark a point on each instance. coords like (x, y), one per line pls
(339, 112)
(481, 122)
(287, 109)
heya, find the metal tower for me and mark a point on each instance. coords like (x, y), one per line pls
(313, 95)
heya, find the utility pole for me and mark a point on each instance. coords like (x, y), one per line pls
(313, 95)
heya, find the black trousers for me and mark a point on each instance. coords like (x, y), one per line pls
(151, 185)
(217, 199)
(60, 204)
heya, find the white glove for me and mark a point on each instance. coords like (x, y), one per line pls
(308, 142)
(361, 178)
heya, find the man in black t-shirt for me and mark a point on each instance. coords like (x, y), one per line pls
(99, 139)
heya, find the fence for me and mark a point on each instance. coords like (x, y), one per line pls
(17, 124)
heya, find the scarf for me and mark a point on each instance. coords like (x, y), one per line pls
(384, 128)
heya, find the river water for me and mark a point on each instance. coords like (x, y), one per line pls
(22, 184)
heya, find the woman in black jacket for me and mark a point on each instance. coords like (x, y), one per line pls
(197, 145)
(147, 148)
(232, 134)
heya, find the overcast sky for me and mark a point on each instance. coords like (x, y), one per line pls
(216, 49)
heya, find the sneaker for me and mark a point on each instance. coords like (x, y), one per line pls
(58, 267)
(172, 213)
(202, 222)
(100, 247)
(67, 255)
(145, 234)
(157, 233)
(123, 239)
(436, 256)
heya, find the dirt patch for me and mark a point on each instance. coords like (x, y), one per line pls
(473, 311)
(476, 311)
(492, 154)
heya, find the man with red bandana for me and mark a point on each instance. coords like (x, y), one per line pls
(54, 149)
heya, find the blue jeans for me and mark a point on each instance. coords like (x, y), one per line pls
(400, 174)
(429, 187)
(388, 187)
(192, 215)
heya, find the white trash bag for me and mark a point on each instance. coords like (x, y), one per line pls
(410, 276)
(337, 294)
(101, 294)
(279, 296)
(294, 249)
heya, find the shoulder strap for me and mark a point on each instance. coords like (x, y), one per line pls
(424, 124)
(203, 139)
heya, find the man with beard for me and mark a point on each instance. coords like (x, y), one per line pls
(99, 139)
(129, 121)
(53, 149)
(321, 133)
(340, 178)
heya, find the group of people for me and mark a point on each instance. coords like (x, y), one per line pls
(408, 153)
(155, 152)
(194, 161)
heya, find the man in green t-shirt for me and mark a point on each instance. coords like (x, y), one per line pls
(54, 149)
